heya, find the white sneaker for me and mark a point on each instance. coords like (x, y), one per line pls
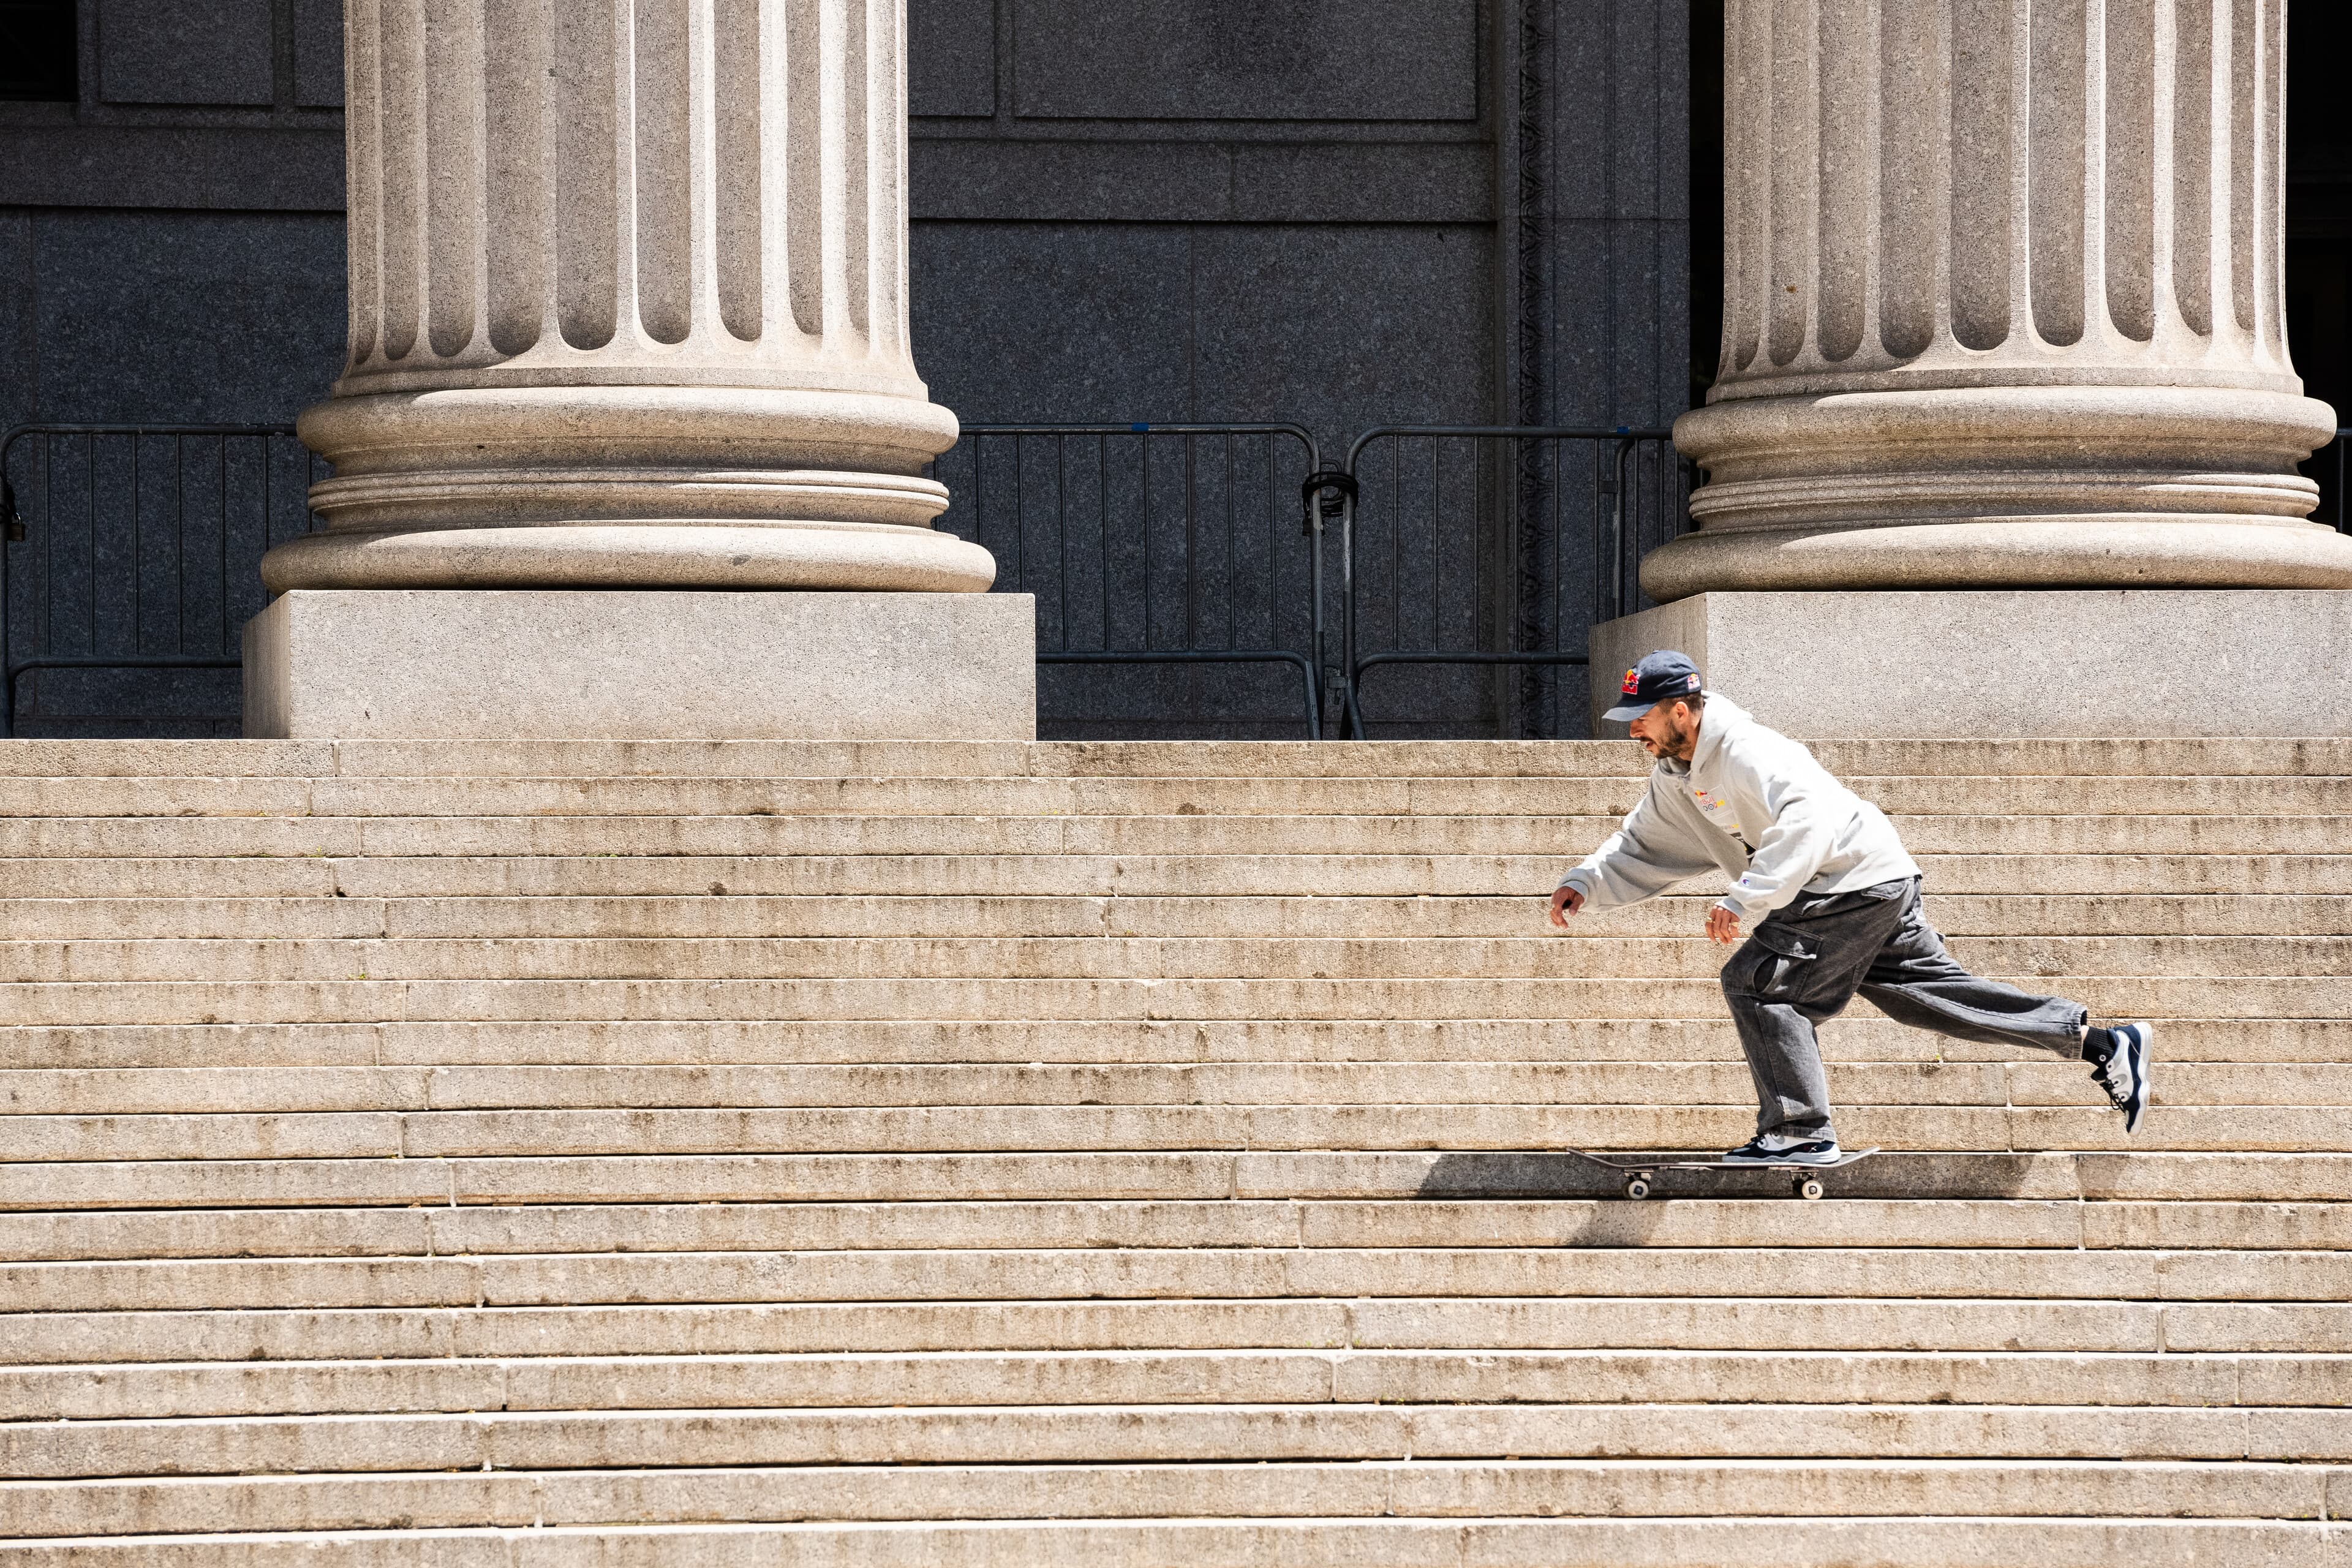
(2125, 1075)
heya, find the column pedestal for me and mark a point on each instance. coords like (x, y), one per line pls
(2048, 664)
(642, 664)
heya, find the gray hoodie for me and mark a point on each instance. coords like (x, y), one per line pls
(1754, 803)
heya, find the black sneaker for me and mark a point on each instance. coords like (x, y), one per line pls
(1778, 1149)
(2125, 1075)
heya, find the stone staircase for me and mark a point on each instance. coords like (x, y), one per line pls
(627, 1154)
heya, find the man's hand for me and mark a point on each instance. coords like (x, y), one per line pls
(1566, 900)
(1722, 926)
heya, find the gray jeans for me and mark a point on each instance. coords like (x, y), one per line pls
(1805, 963)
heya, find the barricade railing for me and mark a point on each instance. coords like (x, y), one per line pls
(1493, 550)
(138, 547)
(1150, 544)
(1493, 547)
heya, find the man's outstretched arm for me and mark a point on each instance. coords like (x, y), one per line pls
(1641, 860)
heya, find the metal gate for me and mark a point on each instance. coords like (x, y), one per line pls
(1185, 575)
(1475, 560)
(131, 562)
(1155, 545)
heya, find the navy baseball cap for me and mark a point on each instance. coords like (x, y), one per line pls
(1659, 678)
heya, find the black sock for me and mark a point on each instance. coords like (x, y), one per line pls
(2098, 1046)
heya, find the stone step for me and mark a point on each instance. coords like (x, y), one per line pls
(1652, 1489)
(707, 916)
(1421, 1174)
(1022, 1275)
(1515, 876)
(1858, 1036)
(641, 1133)
(607, 796)
(1233, 1223)
(1500, 1323)
(183, 1091)
(1559, 841)
(2118, 757)
(1306, 1378)
(360, 1000)
(1115, 1433)
(1468, 1542)
(1588, 951)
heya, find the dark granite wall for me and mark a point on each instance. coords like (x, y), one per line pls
(1338, 212)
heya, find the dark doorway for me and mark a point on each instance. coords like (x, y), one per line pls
(2319, 227)
(36, 50)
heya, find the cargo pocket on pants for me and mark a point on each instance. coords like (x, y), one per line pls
(1783, 958)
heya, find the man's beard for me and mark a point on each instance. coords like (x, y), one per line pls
(1675, 742)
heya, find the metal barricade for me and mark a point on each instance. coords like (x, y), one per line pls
(128, 548)
(1484, 555)
(1151, 544)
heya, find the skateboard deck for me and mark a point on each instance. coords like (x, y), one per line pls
(1640, 1170)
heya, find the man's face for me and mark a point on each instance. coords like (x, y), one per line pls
(1669, 729)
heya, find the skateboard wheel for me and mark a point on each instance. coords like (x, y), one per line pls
(1637, 1188)
(1809, 1187)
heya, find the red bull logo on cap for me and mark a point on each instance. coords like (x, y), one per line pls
(1632, 682)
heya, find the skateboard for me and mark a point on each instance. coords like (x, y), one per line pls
(1639, 1169)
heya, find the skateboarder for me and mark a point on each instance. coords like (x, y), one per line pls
(1837, 905)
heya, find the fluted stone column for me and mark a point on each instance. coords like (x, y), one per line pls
(2005, 433)
(2002, 304)
(628, 314)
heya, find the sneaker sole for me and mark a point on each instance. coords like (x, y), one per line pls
(2142, 1041)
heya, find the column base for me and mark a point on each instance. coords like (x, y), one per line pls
(1980, 664)
(2009, 553)
(417, 664)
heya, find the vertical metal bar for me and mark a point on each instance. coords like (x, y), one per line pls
(1558, 579)
(1437, 553)
(138, 606)
(8, 676)
(1102, 526)
(1313, 533)
(44, 609)
(1396, 563)
(1147, 445)
(229, 617)
(1354, 716)
(89, 508)
(1020, 518)
(1592, 529)
(1232, 576)
(1191, 546)
(1061, 531)
(1617, 529)
(220, 480)
(1314, 568)
(1486, 582)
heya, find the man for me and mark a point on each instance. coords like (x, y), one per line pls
(1836, 900)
